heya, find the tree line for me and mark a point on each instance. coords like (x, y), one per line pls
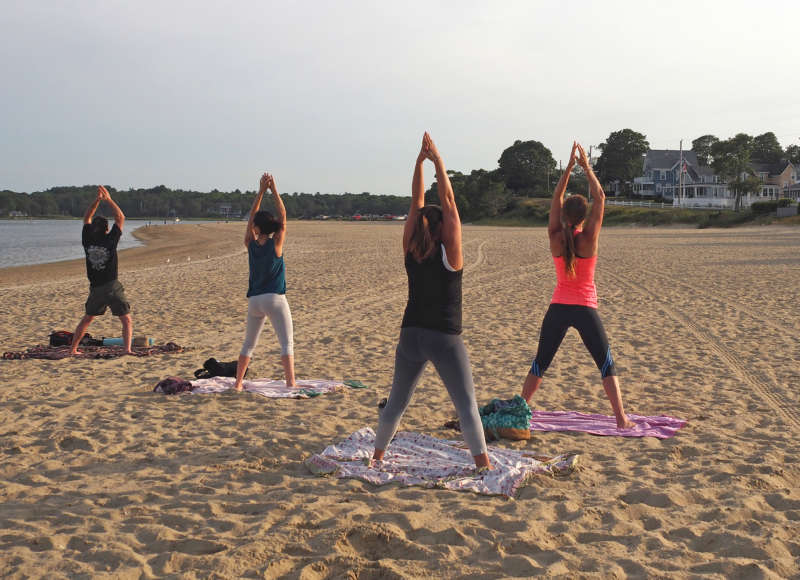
(162, 202)
(525, 169)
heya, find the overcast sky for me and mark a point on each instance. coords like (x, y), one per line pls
(334, 96)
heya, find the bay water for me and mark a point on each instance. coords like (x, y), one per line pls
(25, 242)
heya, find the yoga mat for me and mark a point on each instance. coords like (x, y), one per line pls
(662, 427)
(416, 459)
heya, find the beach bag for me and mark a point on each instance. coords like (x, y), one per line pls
(213, 368)
(509, 419)
(172, 386)
(64, 338)
(60, 338)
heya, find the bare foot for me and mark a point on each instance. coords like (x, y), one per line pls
(626, 424)
(75, 352)
(129, 352)
(238, 387)
(482, 462)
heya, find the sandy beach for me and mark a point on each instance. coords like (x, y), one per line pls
(101, 478)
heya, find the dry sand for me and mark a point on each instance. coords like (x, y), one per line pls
(99, 477)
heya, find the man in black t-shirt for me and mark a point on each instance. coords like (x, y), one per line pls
(105, 290)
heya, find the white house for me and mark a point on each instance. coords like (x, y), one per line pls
(702, 187)
(661, 173)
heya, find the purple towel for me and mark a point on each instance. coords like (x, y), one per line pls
(662, 427)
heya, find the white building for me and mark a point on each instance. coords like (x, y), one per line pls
(702, 187)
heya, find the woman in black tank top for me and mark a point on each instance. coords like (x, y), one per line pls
(431, 326)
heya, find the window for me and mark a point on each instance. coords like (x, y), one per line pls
(656, 174)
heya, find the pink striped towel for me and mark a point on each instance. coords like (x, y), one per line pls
(662, 427)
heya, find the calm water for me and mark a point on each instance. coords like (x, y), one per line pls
(24, 242)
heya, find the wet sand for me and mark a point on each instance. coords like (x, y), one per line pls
(100, 477)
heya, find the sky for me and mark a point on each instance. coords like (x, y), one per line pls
(334, 96)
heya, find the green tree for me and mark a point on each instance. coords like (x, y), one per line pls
(481, 194)
(732, 162)
(792, 154)
(527, 168)
(622, 157)
(702, 146)
(766, 148)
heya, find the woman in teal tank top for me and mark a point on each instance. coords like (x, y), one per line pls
(266, 291)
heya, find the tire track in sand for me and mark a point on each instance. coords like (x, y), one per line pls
(771, 396)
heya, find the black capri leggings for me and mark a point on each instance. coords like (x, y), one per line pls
(585, 320)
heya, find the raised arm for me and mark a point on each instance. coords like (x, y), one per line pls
(87, 217)
(417, 197)
(591, 229)
(280, 210)
(119, 217)
(554, 225)
(451, 222)
(250, 235)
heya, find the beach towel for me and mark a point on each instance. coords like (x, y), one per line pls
(416, 459)
(662, 427)
(268, 388)
(92, 352)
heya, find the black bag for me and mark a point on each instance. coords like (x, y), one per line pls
(64, 338)
(60, 338)
(213, 368)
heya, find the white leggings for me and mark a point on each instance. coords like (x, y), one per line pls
(275, 306)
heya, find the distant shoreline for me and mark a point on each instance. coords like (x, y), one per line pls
(177, 243)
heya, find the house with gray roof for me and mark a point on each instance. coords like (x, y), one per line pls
(702, 187)
(661, 173)
(776, 178)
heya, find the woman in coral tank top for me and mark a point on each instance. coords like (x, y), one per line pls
(573, 244)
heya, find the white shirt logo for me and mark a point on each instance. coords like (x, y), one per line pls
(98, 257)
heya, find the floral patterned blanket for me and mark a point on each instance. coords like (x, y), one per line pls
(416, 459)
(269, 388)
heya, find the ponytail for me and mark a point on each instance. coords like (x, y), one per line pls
(569, 248)
(427, 230)
(572, 215)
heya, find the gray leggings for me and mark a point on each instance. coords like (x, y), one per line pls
(276, 307)
(417, 346)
